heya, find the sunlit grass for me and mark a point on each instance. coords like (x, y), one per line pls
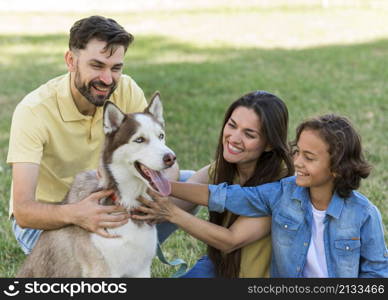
(241, 27)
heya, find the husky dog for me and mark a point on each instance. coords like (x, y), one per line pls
(132, 159)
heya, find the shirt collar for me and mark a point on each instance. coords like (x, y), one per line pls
(335, 207)
(301, 194)
(67, 108)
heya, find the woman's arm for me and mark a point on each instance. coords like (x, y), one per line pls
(192, 192)
(201, 176)
(243, 231)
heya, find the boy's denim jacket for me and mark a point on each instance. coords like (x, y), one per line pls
(353, 235)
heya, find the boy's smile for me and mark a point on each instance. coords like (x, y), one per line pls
(312, 162)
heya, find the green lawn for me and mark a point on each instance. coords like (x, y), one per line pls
(317, 60)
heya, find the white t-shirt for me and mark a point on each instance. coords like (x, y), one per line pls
(316, 259)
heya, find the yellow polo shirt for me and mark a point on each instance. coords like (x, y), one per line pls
(47, 129)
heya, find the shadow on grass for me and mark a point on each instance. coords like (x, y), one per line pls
(197, 84)
(312, 78)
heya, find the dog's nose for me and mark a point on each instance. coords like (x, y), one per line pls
(169, 159)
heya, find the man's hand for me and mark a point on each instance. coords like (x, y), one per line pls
(92, 216)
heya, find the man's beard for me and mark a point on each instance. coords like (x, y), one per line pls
(85, 90)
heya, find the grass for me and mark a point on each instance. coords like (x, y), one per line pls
(307, 56)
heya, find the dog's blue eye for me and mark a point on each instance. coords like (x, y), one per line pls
(139, 140)
(161, 136)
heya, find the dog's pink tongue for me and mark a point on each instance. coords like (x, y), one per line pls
(160, 182)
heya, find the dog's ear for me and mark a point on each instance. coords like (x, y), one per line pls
(155, 108)
(113, 117)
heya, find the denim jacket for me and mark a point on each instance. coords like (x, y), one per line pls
(353, 235)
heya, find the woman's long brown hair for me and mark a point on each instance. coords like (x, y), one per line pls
(270, 166)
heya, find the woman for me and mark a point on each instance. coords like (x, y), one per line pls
(252, 150)
(321, 225)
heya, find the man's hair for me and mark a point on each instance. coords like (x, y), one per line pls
(347, 161)
(102, 29)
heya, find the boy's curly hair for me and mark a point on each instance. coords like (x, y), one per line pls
(348, 164)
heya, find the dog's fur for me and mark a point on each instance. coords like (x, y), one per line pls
(131, 141)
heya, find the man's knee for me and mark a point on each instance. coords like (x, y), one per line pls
(26, 237)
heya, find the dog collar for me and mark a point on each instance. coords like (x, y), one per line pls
(114, 196)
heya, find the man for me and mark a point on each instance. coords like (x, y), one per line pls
(57, 132)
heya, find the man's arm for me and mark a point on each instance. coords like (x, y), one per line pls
(87, 213)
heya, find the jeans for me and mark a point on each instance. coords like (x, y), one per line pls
(203, 268)
(27, 237)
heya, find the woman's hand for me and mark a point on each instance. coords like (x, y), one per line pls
(160, 210)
